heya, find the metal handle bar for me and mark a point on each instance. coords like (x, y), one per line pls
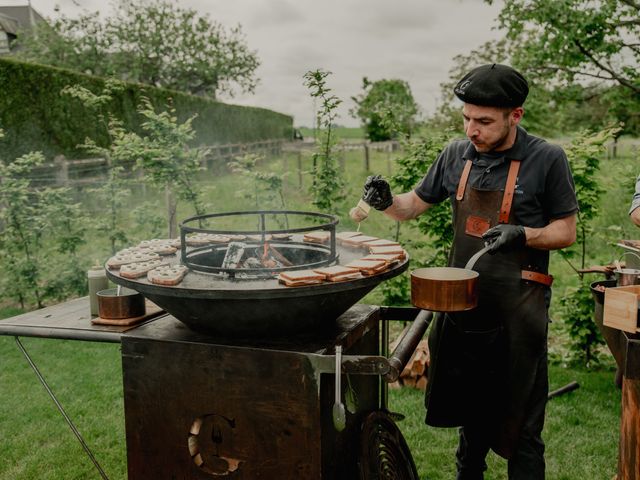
(403, 351)
(388, 368)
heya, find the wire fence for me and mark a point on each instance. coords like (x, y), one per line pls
(63, 172)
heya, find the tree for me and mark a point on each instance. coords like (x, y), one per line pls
(162, 152)
(381, 99)
(581, 59)
(576, 39)
(590, 48)
(148, 41)
(30, 218)
(584, 155)
(164, 155)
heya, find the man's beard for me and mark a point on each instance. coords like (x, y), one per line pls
(490, 147)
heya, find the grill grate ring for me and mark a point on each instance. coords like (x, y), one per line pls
(321, 254)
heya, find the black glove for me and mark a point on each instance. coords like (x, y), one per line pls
(505, 238)
(377, 192)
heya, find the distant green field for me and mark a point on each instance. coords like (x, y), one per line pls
(347, 133)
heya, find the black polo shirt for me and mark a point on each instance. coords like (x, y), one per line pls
(544, 188)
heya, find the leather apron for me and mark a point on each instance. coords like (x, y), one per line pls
(486, 363)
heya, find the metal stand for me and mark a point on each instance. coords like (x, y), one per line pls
(62, 411)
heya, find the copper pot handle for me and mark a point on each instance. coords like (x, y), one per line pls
(474, 258)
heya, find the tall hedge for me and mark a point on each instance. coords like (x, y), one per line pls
(35, 116)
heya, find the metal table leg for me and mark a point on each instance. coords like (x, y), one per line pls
(59, 406)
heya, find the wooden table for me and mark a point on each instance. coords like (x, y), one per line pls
(68, 321)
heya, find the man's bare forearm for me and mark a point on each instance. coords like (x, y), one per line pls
(558, 234)
(406, 206)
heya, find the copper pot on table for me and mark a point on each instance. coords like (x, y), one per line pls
(125, 303)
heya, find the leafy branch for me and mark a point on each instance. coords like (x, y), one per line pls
(327, 187)
(584, 154)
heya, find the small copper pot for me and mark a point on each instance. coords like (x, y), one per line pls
(129, 304)
(444, 289)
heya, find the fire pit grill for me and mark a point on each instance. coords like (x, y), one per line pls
(239, 303)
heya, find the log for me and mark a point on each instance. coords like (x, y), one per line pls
(421, 384)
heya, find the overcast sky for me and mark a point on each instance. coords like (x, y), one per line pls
(413, 40)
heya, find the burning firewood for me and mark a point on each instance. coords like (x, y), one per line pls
(235, 252)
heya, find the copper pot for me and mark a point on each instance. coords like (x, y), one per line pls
(117, 305)
(447, 289)
(444, 289)
(627, 276)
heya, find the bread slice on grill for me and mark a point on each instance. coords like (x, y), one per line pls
(358, 240)
(159, 246)
(338, 273)
(201, 239)
(130, 256)
(137, 270)
(399, 251)
(320, 236)
(368, 267)
(381, 242)
(280, 236)
(340, 237)
(167, 274)
(296, 278)
(390, 259)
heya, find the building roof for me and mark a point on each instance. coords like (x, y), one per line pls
(21, 15)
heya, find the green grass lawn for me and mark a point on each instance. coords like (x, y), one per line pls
(581, 430)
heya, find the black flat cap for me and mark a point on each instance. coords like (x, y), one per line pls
(493, 85)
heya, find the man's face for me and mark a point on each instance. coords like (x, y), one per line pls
(491, 128)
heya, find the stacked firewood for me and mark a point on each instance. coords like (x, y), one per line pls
(414, 374)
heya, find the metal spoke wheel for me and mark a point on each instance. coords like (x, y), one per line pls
(384, 454)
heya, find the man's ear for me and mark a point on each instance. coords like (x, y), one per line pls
(517, 114)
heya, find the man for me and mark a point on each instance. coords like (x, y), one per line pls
(509, 189)
(634, 211)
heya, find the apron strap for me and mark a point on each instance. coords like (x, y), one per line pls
(462, 184)
(507, 199)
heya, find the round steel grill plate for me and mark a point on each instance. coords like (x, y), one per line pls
(218, 304)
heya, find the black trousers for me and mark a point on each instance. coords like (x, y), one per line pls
(527, 463)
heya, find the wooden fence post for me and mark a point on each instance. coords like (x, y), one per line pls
(285, 169)
(140, 179)
(366, 157)
(62, 170)
(300, 169)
